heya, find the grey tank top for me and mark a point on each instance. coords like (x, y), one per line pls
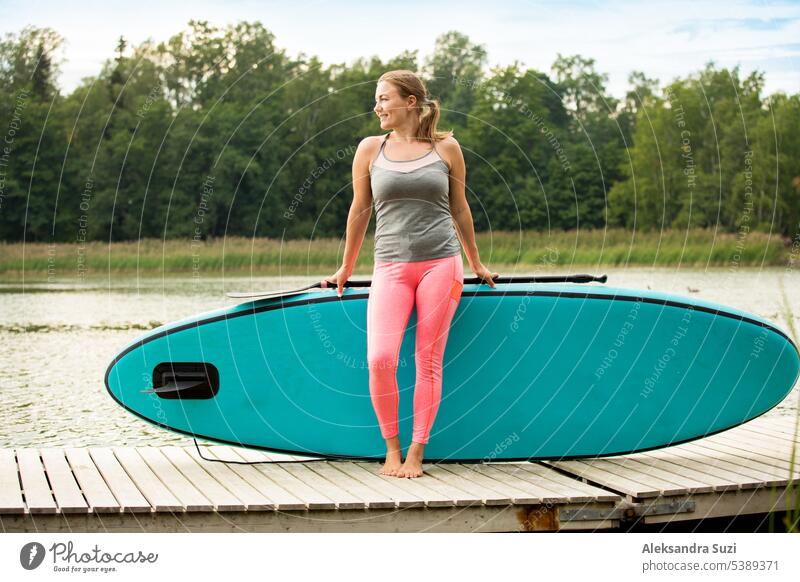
(412, 209)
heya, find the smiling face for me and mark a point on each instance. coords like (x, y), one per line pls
(392, 109)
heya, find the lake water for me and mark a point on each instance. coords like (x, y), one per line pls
(57, 340)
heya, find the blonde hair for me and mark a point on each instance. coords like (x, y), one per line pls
(408, 83)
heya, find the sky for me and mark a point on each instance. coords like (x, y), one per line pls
(664, 39)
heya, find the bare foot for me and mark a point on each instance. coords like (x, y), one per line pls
(413, 465)
(394, 457)
(394, 460)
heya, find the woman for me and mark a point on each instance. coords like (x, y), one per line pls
(415, 174)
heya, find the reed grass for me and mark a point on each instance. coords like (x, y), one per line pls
(498, 250)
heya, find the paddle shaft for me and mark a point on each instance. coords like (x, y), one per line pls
(523, 279)
(325, 284)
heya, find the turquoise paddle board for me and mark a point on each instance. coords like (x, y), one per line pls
(531, 371)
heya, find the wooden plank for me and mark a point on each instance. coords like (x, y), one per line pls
(547, 489)
(479, 518)
(277, 457)
(279, 496)
(430, 497)
(778, 421)
(65, 489)
(294, 458)
(526, 482)
(10, 489)
(569, 487)
(662, 486)
(762, 433)
(753, 467)
(522, 492)
(220, 498)
(183, 489)
(605, 476)
(765, 446)
(148, 483)
(368, 471)
(284, 497)
(343, 498)
(371, 498)
(486, 495)
(503, 487)
(724, 479)
(669, 483)
(35, 488)
(786, 431)
(700, 453)
(770, 451)
(789, 437)
(452, 495)
(282, 457)
(745, 476)
(655, 469)
(739, 457)
(753, 457)
(92, 484)
(124, 489)
(732, 503)
(778, 416)
(757, 474)
(381, 484)
(231, 480)
(709, 474)
(270, 457)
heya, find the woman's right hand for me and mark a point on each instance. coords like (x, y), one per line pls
(340, 277)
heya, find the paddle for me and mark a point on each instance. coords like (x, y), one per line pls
(324, 284)
(174, 387)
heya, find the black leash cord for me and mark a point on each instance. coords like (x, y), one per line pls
(248, 462)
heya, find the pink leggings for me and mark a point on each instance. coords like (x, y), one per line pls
(435, 286)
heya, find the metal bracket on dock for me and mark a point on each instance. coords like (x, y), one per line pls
(626, 511)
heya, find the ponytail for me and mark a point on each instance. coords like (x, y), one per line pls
(408, 83)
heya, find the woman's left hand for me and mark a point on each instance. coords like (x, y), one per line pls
(483, 273)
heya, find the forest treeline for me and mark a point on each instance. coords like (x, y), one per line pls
(218, 132)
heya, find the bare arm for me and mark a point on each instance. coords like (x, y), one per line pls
(360, 211)
(361, 207)
(459, 209)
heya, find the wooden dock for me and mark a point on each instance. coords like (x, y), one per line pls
(746, 470)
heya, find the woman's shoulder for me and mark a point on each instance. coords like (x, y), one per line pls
(448, 149)
(372, 140)
(448, 142)
(367, 149)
